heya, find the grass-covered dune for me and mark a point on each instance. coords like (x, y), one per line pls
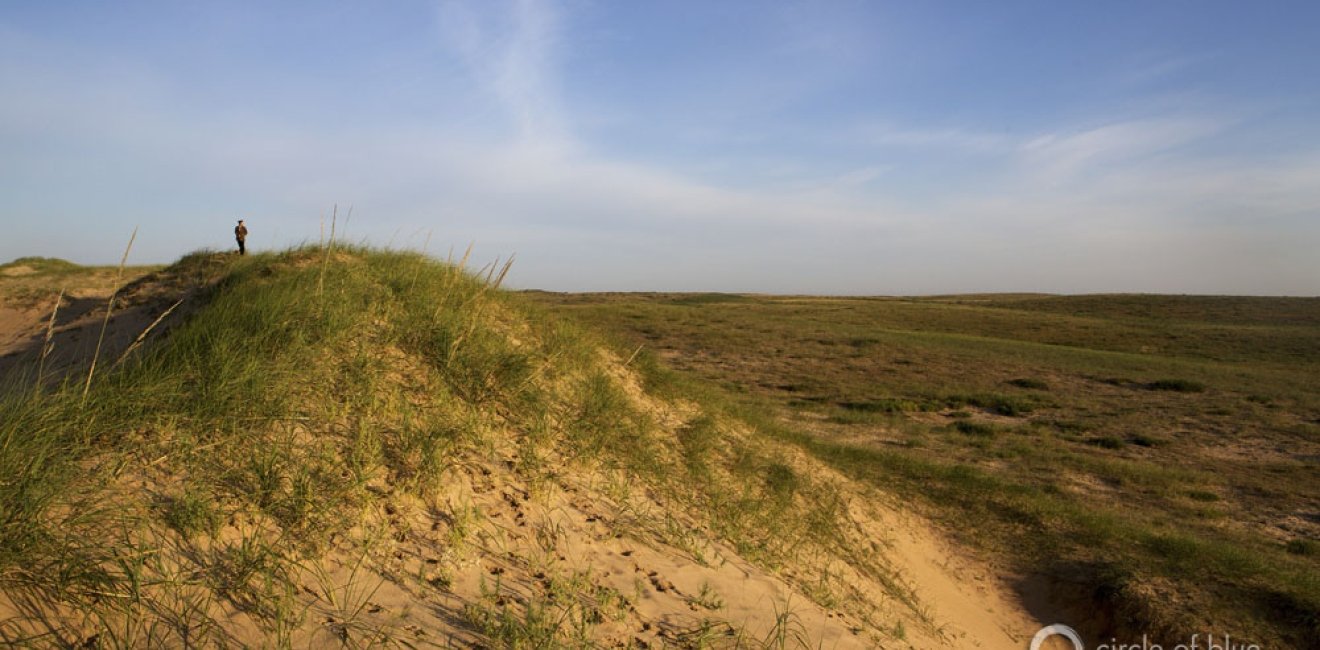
(43, 265)
(357, 447)
(351, 447)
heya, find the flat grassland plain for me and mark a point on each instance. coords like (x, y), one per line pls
(1139, 464)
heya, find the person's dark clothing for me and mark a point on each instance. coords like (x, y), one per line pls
(240, 234)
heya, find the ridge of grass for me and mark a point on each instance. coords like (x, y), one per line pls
(299, 388)
(45, 265)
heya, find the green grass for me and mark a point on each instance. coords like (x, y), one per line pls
(192, 512)
(279, 341)
(34, 282)
(42, 266)
(1115, 442)
(1085, 435)
(301, 387)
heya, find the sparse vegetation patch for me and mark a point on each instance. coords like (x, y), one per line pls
(1118, 473)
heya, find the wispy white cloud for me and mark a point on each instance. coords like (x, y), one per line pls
(1126, 203)
(942, 139)
(547, 165)
(514, 58)
(1058, 157)
(1159, 68)
(861, 176)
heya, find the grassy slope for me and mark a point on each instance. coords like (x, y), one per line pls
(32, 282)
(202, 478)
(1153, 458)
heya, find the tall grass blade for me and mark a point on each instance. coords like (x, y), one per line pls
(462, 264)
(48, 343)
(109, 308)
(503, 272)
(325, 261)
(143, 336)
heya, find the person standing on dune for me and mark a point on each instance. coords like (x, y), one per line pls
(240, 234)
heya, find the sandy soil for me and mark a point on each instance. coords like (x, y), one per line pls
(27, 304)
(414, 571)
(420, 589)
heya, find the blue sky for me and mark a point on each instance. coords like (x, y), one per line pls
(840, 147)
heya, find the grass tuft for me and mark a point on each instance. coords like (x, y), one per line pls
(1176, 385)
(971, 428)
(192, 512)
(1030, 383)
(1106, 442)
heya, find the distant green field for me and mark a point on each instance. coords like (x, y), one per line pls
(1152, 458)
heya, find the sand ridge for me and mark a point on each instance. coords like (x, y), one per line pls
(490, 545)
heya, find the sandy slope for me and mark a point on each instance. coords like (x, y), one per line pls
(27, 302)
(415, 572)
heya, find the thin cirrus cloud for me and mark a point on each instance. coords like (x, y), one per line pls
(497, 134)
(1059, 157)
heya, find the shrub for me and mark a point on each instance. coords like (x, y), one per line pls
(1106, 442)
(1008, 405)
(970, 428)
(1030, 383)
(1176, 385)
(883, 405)
(1143, 440)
